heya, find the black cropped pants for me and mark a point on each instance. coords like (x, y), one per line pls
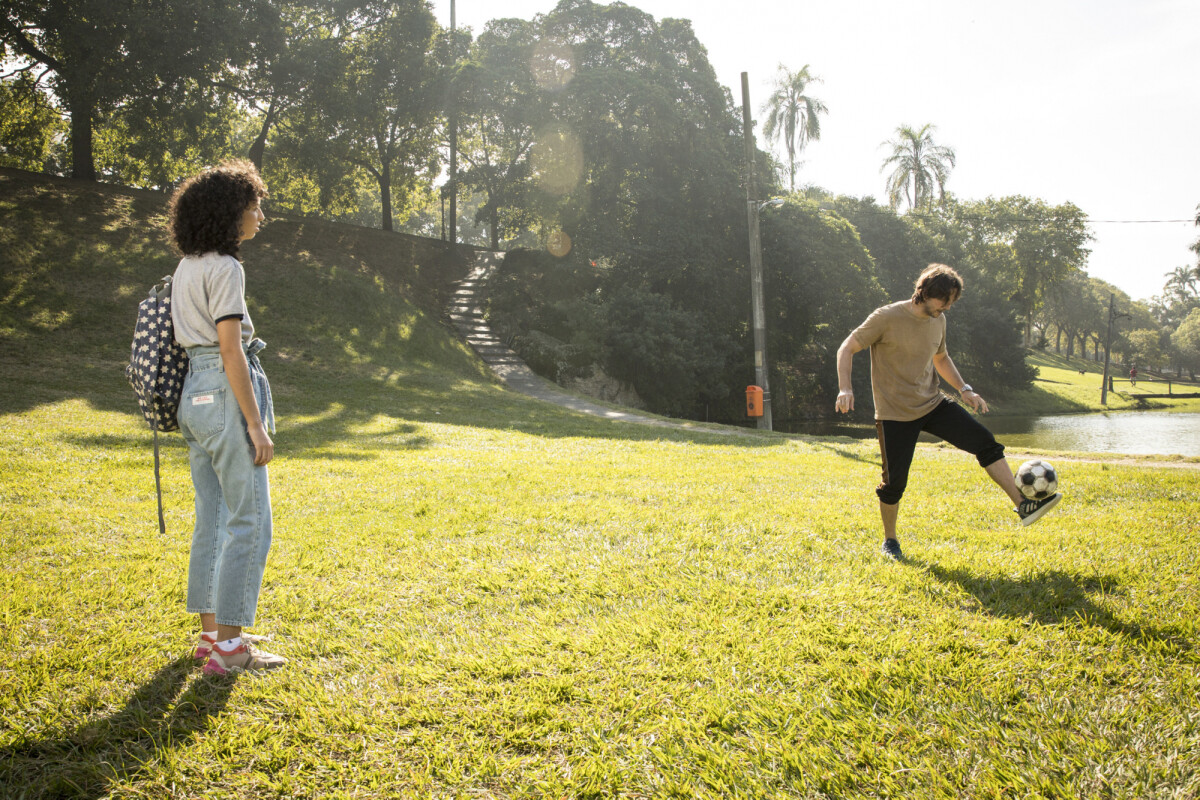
(949, 421)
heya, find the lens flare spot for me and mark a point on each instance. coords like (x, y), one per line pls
(558, 243)
(557, 161)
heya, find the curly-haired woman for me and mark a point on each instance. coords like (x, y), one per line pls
(225, 412)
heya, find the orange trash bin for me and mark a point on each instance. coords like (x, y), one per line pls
(754, 401)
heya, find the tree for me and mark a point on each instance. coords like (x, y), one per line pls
(97, 54)
(1185, 343)
(792, 115)
(636, 156)
(918, 165)
(378, 110)
(986, 333)
(900, 247)
(1074, 309)
(822, 284)
(1144, 348)
(1025, 246)
(500, 102)
(288, 58)
(29, 124)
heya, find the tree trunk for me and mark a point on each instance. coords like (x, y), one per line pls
(260, 142)
(494, 224)
(83, 164)
(385, 194)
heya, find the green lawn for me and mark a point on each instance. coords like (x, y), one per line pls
(482, 596)
(1072, 385)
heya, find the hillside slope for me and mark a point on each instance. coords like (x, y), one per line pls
(334, 302)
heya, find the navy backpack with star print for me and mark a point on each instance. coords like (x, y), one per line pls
(156, 369)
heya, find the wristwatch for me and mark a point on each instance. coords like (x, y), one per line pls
(966, 387)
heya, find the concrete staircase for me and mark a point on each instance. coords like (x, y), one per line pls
(466, 313)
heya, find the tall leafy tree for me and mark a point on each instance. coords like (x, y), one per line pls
(986, 332)
(379, 109)
(919, 166)
(793, 115)
(1025, 246)
(1072, 309)
(636, 156)
(29, 124)
(98, 54)
(1185, 343)
(822, 284)
(500, 107)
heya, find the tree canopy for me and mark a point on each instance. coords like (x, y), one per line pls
(99, 54)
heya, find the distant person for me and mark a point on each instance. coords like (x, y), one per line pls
(1133, 376)
(225, 412)
(908, 352)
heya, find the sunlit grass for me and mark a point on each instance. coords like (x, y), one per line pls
(482, 610)
(484, 596)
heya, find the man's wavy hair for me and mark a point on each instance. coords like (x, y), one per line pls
(937, 282)
(206, 210)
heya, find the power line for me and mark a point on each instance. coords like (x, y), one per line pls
(1017, 220)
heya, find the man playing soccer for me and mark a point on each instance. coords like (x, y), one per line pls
(908, 352)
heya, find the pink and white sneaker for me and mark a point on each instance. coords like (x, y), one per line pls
(204, 645)
(243, 658)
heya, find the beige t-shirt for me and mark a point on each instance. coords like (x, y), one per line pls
(903, 380)
(207, 289)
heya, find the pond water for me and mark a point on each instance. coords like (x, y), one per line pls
(1131, 432)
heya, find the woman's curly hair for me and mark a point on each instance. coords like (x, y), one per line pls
(206, 210)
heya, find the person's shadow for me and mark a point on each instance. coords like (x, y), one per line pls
(87, 761)
(1050, 598)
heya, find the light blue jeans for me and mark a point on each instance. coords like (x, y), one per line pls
(233, 497)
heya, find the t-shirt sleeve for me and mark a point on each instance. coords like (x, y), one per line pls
(226, 291)
(941, 348)
(871, 331)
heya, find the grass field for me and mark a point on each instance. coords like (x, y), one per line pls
(482, 596)
(1072, 385)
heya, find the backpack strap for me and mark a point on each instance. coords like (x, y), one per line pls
(163, 291)
(162, 523)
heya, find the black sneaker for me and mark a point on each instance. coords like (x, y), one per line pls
(891, 549)
(1030, 511)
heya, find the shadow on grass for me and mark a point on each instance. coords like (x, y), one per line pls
(839, 449)
(89, 760)
(1050, 598)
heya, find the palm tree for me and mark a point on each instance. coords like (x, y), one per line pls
(1184, 283)
(919, 165)
(792, 115)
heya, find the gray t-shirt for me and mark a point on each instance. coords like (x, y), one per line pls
(903, 344)
(206, 290)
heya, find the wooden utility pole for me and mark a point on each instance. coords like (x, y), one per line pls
(756, 273)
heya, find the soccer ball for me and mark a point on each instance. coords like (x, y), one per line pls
(1037, 479)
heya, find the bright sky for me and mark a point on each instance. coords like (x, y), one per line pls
(1094, 102)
